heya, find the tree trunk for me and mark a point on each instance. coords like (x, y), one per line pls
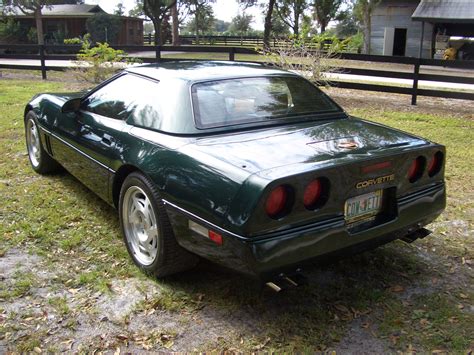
(196, 24)
(158, 37)
(174, 16)
(39, 25)
(323, 27)
(268, 25)
(367, 30)
(296, 28)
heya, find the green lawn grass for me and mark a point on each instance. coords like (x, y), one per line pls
(78, 237)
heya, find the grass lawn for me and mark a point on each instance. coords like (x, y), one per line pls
(65, 268)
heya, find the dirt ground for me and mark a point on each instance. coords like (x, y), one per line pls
(140, 315)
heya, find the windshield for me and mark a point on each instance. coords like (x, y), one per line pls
(246, 100)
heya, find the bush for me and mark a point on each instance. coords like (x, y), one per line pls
(11, 31)
(98, 63)
(103, 28)
(309, 56)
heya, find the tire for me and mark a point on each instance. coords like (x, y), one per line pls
(147, 231)
(40, 160)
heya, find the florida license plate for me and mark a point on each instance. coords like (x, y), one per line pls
(363, 206)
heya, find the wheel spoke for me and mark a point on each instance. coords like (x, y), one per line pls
(141, 229)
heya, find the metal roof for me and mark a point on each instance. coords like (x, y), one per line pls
(447, 11)
(62, 10)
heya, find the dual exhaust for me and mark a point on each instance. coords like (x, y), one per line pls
(283, 281)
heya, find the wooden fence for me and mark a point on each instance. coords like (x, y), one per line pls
(65, 52)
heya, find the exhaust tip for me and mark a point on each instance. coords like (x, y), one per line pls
(418, 234)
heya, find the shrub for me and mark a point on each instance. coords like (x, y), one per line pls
(98, 63)
(103, 28)
(309, 56)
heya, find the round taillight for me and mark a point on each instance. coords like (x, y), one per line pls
(416, 169)
(276, 201)
(312, 194)
(435, 164)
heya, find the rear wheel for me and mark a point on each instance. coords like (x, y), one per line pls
(40, 160)
(147, 231)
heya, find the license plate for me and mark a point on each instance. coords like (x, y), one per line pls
(363, 206)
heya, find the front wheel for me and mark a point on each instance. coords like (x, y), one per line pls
(147, 231)
(40, 160)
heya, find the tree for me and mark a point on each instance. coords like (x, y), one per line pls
(221, 26)
(119, 9)
(268, 23)
(103, 28)
(241, 24)
(202, 21)
(156, 10)
(30, 7)
(347, 26)
(269, 7)
(279, 28)
(290, 12)
(175, 21)
(363, 11)
(203, 15)
(326, 11)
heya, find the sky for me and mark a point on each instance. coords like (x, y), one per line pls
(223, 9)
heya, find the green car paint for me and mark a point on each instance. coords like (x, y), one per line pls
(221, 177)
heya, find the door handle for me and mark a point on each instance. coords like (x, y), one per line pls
(107, 139)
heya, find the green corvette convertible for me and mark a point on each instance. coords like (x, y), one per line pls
(251, 167)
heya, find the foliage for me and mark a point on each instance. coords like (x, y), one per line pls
(355, 43)
(103, 28)
(11, 31)
(326, 11)
(241, 24)
(291, 12)
(119, 9)
(98, 63)
(156, 11)
(202, 21)
(221, 26)
(346, 26)
(363, 10)
(310, 57)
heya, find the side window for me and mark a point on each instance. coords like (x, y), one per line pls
(128, 97)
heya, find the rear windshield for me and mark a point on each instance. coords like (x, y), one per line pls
(246, 100)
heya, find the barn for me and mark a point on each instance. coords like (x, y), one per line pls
(71, 21)
(425, 28)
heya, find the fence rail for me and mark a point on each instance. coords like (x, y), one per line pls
(67, 52)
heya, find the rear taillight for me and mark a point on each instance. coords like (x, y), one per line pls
(277, 201)
(435, 164)
(416, 169)
(312, 193)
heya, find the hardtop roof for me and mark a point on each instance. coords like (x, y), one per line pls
(202, 70)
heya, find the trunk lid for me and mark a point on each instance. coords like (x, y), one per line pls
(318, 143)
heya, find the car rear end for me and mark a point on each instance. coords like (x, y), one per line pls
(345, 208)
(347, 196)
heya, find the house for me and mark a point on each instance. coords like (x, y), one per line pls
(423, 27)
(70, 21)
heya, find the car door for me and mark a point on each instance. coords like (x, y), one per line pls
(87, 142)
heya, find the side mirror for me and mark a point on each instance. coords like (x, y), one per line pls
(72, 105)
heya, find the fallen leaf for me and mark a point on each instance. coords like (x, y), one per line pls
(463, 296)
(37, 350)
(397, 288)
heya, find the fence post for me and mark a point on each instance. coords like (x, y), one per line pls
(416, 75)
(158, 53)
(232, 54)
(42, 60)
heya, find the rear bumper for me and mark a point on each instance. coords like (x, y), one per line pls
(284, 251)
